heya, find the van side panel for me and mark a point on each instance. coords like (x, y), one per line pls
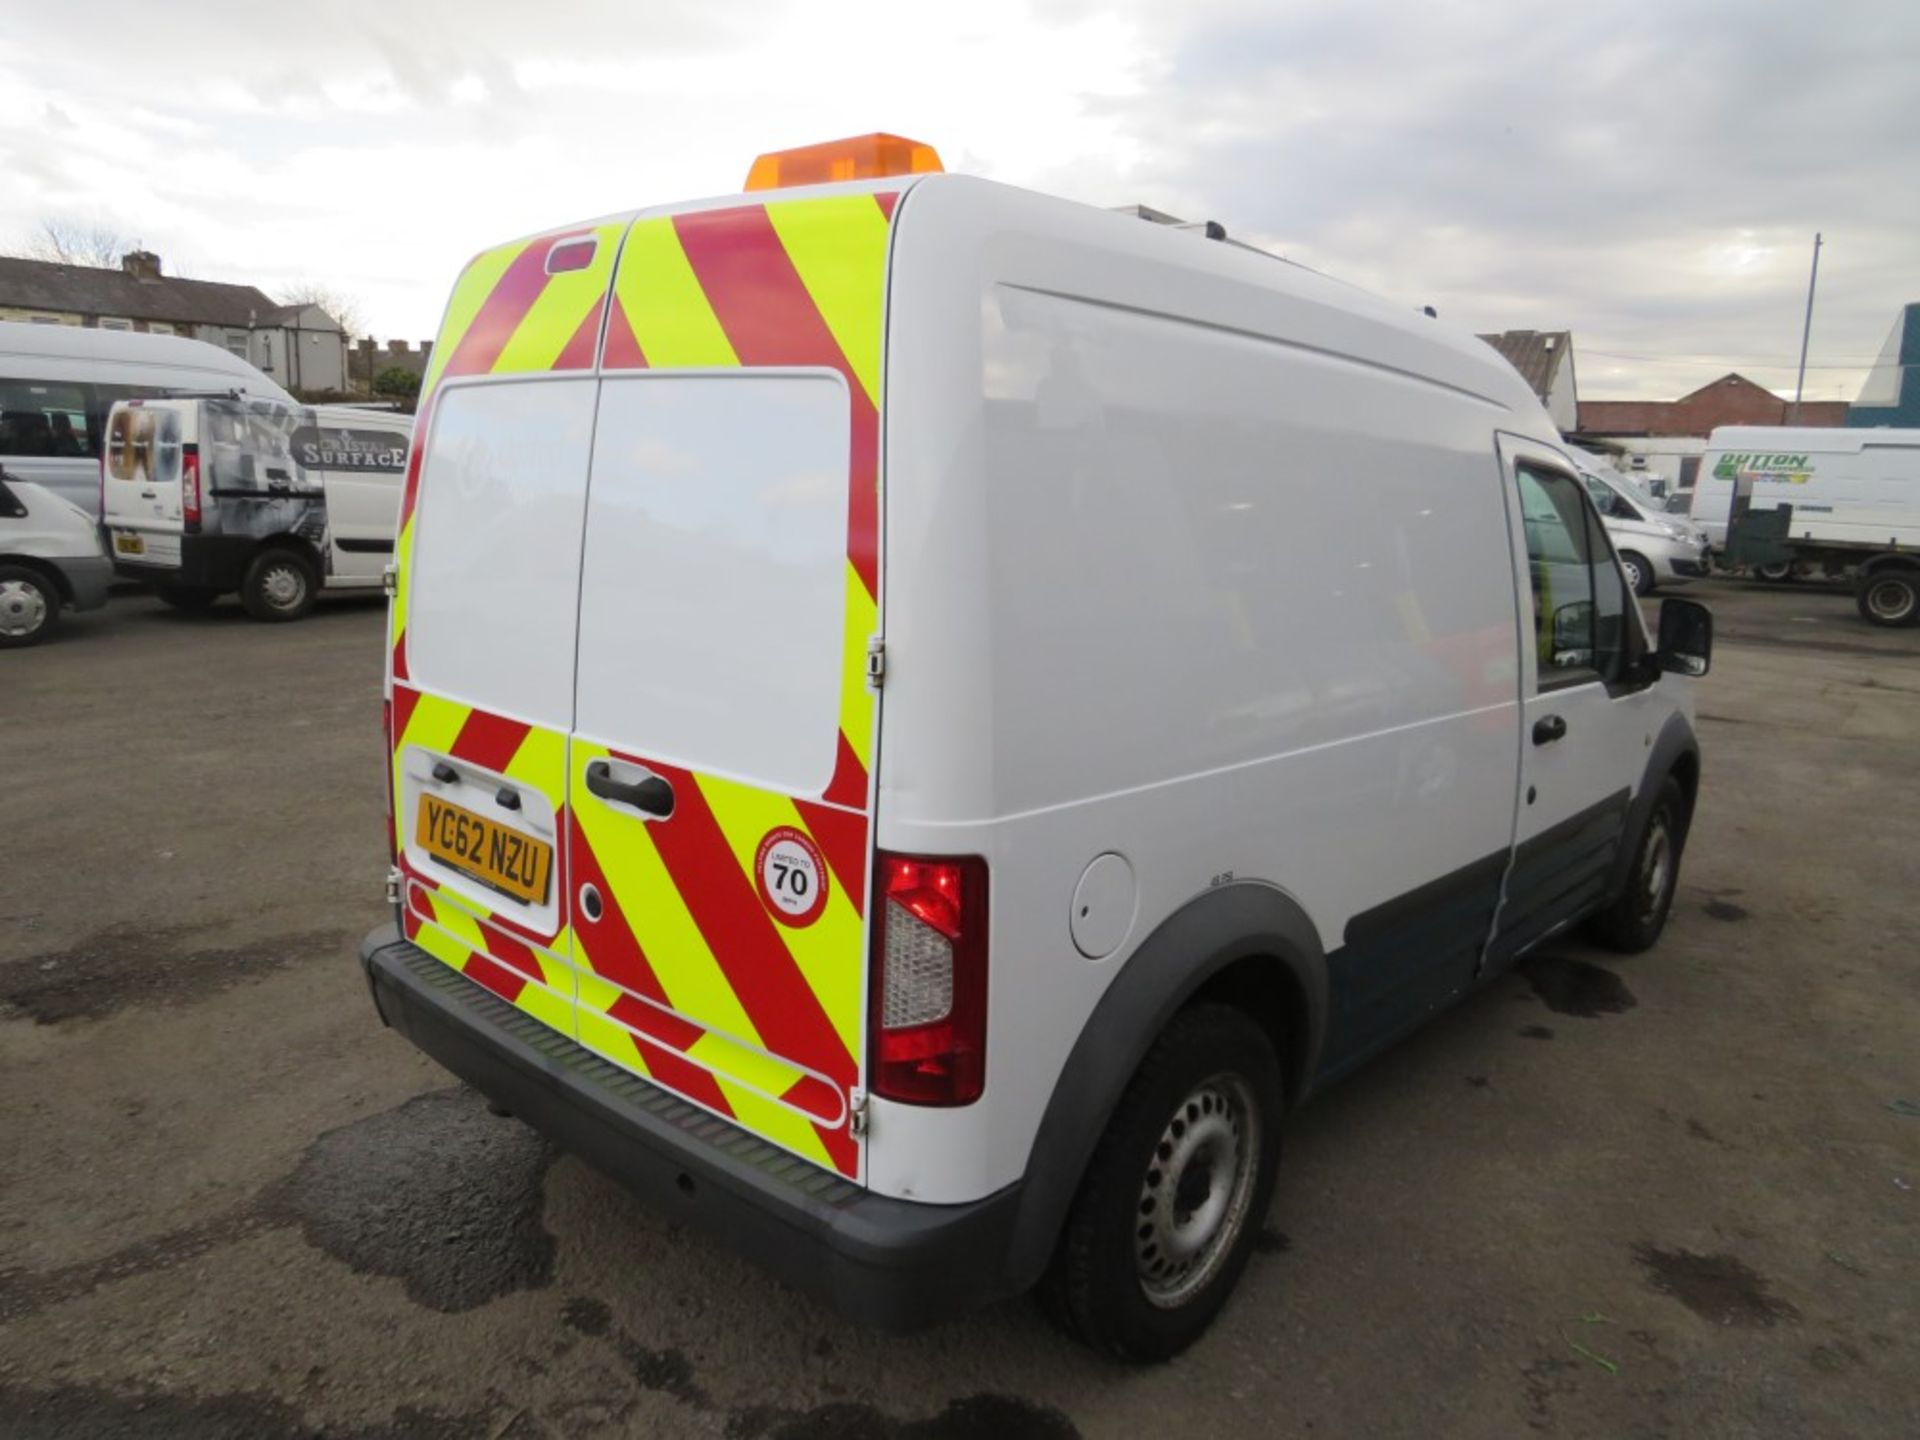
(1198, 558)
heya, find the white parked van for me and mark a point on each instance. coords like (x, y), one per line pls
(204, 497)
(1654, 548)
(50, 561)
(57, 383)
(925, 719)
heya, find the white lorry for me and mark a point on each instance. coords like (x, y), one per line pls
(924, 718)
(1780, 500)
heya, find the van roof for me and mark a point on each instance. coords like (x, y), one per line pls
(1816, 439)
(84, 345)
(1447, 354)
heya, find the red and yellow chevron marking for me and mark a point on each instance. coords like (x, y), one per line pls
(686, 978)
(507, 315)
(522, 966)
(789, 282)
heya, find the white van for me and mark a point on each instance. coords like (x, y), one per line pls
(204, 497)
(1872, 475)
(50, 562)
(57, 383)
(926, 718)
(1655, 549)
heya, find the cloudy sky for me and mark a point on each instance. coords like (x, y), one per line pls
(1647, 175)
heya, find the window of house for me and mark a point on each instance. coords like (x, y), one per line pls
(159, 327)
(115, 324)
(237, 343)
(1579, 599)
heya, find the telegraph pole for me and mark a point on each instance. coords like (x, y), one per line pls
(1806, 332)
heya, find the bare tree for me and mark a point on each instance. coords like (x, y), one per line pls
(343, 308)
(80, 242)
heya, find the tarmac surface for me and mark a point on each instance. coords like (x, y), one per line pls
(1673, 1195)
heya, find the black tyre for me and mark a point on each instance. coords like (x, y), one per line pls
(1175, 1193)
(29, 606)
(1639, 572)
(1779, 572)
(1890, 597)
(192, 598)
(280, 584)
(1634, 920)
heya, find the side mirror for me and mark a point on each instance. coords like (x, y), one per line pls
(1686, 637)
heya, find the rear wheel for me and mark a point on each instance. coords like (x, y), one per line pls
(29, 606)
(1891, 597)
(193, 598)
(1634, 921)
(1172, 1200)
(1779, 571)
(280, 584)
(1639, 572)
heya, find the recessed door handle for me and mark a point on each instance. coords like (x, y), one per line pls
(1547, 729)
(651, 796)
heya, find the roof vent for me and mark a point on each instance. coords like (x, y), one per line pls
(1547, 343)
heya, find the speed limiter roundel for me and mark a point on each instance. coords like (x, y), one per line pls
(792, 876)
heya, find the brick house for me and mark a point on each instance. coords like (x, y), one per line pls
(1664, 438)
(301, 346)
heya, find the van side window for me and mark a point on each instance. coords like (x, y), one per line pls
(46, 419)
(1579, 599)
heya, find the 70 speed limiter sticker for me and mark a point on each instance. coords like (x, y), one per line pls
(792, 876)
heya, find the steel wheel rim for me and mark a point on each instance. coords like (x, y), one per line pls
(1636, 576)
(1197, 1192)
(1656, 870)
(284, 586)
(23, 608)
(1890, 599)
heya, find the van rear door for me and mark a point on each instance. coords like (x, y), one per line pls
(149, 448)
(724, 725)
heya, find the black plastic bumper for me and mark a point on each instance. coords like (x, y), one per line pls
(1691, 569)
(886, 1262)
(207, 562)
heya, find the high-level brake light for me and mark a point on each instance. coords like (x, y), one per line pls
(858, 157)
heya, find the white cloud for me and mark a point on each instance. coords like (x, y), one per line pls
(1648, 174)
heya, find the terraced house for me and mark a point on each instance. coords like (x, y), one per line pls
(301, 346)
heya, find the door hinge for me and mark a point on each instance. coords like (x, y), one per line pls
(857, 1120)
(876, 662)
(393, 885)
(390, 579)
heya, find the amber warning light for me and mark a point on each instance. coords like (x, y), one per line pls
(860, 157)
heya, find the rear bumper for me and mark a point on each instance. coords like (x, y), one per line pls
(886, 1262)
(207, 562)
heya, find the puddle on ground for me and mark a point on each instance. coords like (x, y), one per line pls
(1725, 910)
(135, 966)
(97, 1414)
(1574, 987)
(1718, 1288)
(438, 1193)
(977, 1417)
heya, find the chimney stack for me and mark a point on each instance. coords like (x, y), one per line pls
(141, 264)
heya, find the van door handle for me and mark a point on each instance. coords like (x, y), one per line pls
(1547, 729)
(651, 796)
(149, 495)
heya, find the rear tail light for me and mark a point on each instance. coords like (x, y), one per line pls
(103, 485)
(190, 485)
(929, 1010)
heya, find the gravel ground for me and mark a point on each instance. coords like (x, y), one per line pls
(1673, 1195)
